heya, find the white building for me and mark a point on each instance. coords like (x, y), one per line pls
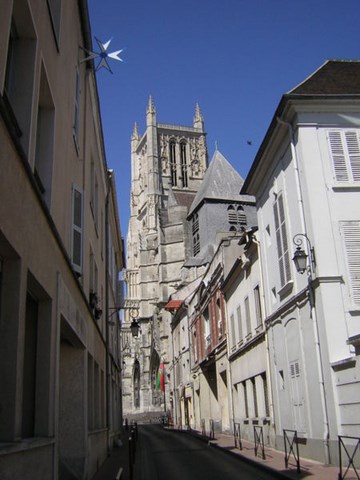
(246, 340)
(306, 179)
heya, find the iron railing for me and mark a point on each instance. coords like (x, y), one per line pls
(291, 446)
(211, 429)
(347, 461)
(237, 436)
(259, 440)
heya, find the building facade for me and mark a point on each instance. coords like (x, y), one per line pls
(306, 181)
(168, 163)
(60, 249)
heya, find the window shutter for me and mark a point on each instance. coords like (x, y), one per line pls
(338, 157)
(77, 230)
(353, 147)
(281, 241)
(351, 234)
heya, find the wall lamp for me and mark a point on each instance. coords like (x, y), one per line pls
(300, 257)
(134, 313)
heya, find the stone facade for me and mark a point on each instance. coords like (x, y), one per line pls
(167, 165)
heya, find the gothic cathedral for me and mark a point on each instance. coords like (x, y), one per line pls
(168, 163)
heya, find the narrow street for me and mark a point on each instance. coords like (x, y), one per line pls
(164, 455)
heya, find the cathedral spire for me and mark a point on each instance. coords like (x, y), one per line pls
(198, 118)
(135, 135)
(151, 112)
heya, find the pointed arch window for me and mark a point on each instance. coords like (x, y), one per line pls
(183, 162)
(172, 148)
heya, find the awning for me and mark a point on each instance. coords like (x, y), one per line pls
(174, 304)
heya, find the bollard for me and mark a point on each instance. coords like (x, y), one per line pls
(130, 458)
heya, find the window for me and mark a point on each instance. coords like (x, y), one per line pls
(44, 139)
(55, 12)
(184, 175)
(232, 330)
(207, 330)
(239, 323)
(241, 216)
(219, 317)
(281, 240)
(246, 403)
(257, 306)
(266, 394)
(20, 69)
(94, 192)
(195, 234)
(232, 215)
(247, 317)
(172, 147)
(253, 383)
(351, 237)
(76, 126)
(345, 153)
(77, 230)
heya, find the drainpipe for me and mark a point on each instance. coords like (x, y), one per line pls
(311, 295)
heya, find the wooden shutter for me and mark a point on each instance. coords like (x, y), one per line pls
(351, 235)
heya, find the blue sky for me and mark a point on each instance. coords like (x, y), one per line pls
(236, 58)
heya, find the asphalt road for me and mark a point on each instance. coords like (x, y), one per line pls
(166, 455)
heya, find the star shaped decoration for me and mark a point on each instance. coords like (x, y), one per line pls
(103, 55)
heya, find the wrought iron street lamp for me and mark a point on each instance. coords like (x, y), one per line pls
(300, 257)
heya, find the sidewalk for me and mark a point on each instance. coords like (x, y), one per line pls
(116, 465)
(274, 459)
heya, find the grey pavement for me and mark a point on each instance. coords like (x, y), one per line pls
(116, 466)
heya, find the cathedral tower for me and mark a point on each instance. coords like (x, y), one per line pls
(168, 163)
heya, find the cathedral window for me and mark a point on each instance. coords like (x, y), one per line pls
(173, 163)
(183, 160)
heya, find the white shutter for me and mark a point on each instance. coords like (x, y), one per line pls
(338, 156)
(77, 229)
(353, 147)
(351, 234)
(281, 241)
(345, 153)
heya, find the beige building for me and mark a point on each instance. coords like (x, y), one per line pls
(60, 249)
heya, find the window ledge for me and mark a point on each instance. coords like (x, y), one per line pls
(286, 290)
(25, 444)
(343, 364)
(346, 186)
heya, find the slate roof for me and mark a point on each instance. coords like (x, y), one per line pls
(221, 182)
(334, 77)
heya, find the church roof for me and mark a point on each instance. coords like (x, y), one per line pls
(221, 182)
